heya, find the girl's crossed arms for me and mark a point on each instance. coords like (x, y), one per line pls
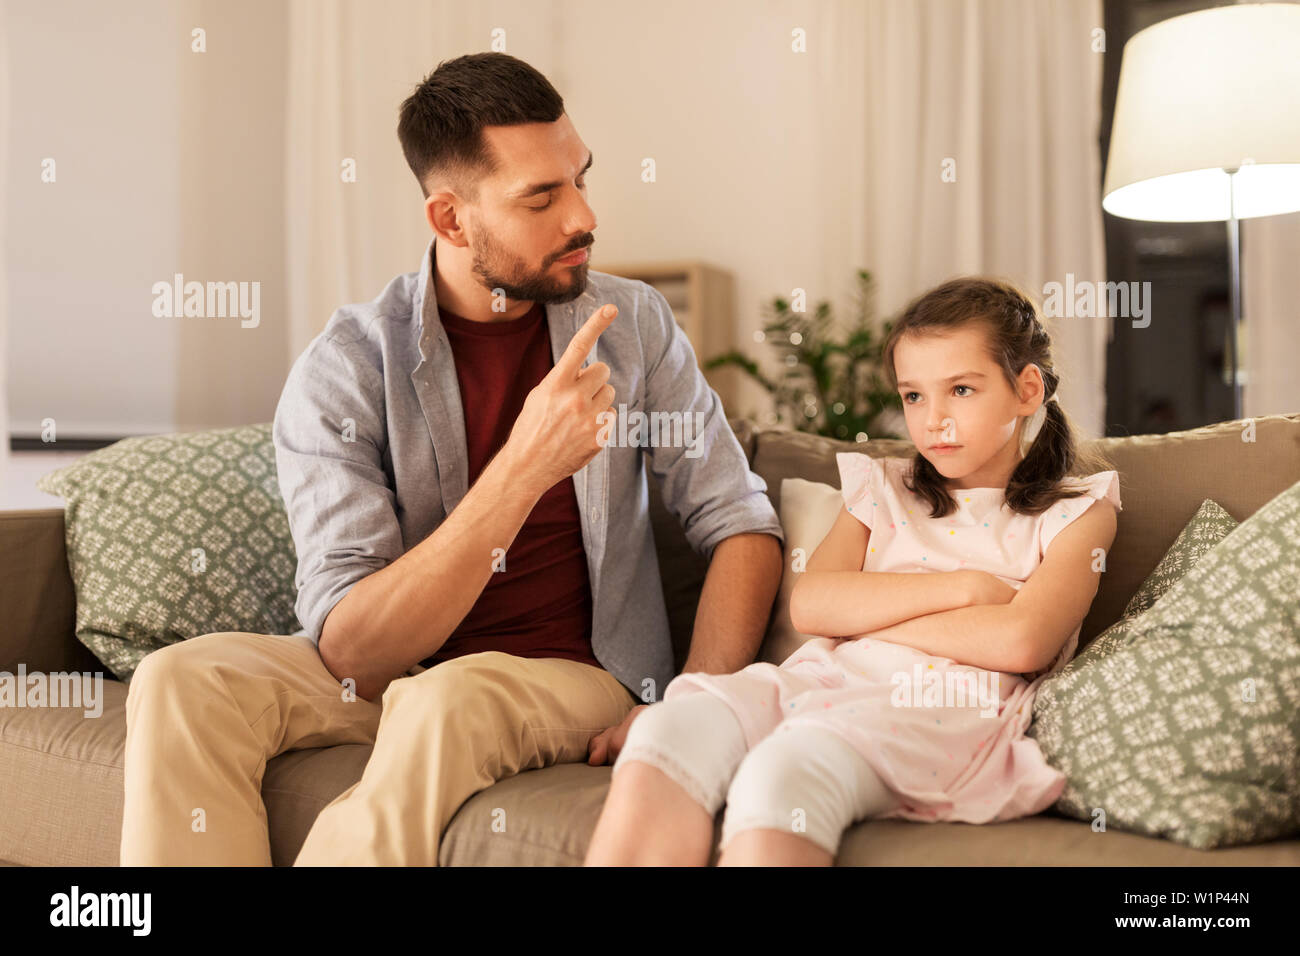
(968, 616)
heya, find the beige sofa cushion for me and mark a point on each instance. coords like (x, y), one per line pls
(61, 785)
(61, 789)
(552, 812)
(808, 511)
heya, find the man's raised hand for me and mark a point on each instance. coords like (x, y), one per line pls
(559, 428)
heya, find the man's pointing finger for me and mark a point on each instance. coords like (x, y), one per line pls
(585, 339)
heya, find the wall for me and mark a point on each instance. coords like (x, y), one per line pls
(167, 161)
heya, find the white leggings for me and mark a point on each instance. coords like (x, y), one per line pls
(803, 779)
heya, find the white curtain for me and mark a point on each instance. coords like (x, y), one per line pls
(1270, 315)
(1007, 89)
(4, 290)
(1009, 92)
(351, 64)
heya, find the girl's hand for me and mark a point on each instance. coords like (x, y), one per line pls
(989, 588)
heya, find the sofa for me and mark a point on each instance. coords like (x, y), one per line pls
(61, 772)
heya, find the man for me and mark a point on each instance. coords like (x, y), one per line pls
(476, 571)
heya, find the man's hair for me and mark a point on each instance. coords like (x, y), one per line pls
(441, 123)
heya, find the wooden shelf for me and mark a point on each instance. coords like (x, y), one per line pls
(702, 297)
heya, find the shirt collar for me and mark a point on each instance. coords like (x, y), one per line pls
(426, 303)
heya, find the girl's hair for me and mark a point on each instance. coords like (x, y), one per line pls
(1015, 337)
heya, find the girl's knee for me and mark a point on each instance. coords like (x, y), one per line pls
(807, 781)
(696, 741)
(692, 723)
(772, 783)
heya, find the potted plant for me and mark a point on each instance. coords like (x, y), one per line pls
(827, 385)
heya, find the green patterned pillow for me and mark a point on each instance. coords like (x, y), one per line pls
(1185, 723)
(173, 536)
(1210, 525)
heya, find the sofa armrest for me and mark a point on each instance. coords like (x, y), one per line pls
(39, 604)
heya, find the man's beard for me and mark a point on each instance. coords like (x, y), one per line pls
(496, 268)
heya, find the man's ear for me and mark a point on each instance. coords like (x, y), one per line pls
(444, 212)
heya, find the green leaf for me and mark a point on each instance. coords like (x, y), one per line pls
(834, 368)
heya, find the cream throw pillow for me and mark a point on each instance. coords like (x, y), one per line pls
(808, 510)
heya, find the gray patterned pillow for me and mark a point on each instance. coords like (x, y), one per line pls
(1185, 722)
(1210, 525)
(173, 536)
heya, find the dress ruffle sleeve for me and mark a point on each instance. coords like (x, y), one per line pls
(1103, 486)
(860, 484)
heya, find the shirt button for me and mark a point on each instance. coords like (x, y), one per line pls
(596, 514)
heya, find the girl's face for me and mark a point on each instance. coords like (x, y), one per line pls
(961, 413)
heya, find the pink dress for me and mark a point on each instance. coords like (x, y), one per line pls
(968, 763)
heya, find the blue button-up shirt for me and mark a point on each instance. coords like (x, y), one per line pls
(371, 456)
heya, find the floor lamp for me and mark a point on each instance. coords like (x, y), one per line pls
(1207, 127)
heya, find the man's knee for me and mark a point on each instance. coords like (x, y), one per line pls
(463, 685)
(174, 663)
(199, 662)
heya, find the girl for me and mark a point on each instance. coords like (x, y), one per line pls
(950, 584)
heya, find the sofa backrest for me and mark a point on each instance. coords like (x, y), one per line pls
(1163, 480)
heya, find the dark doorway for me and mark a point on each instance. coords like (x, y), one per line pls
(1170, 375)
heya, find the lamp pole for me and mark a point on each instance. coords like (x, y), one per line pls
(1234, 282)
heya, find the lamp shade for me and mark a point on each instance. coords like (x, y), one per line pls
(1204, 92)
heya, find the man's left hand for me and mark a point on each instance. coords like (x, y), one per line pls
(604, 747)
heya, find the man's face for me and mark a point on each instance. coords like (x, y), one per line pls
(533, 213)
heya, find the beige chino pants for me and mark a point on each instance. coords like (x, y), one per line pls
(204, 716)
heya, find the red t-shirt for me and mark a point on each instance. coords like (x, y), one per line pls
(540, 605)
